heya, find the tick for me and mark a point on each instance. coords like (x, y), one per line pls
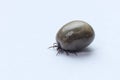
(73, 37)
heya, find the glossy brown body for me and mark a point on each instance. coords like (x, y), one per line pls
(75, 36)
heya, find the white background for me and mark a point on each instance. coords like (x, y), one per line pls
(28, 28)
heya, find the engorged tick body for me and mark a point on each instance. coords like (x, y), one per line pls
(74, 36)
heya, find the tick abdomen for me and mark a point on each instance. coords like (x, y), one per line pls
(75, 35)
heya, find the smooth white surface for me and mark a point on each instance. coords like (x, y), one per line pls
(28, 28)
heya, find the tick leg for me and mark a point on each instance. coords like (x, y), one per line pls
(54, 45)
(75, 54)
(67, 53)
